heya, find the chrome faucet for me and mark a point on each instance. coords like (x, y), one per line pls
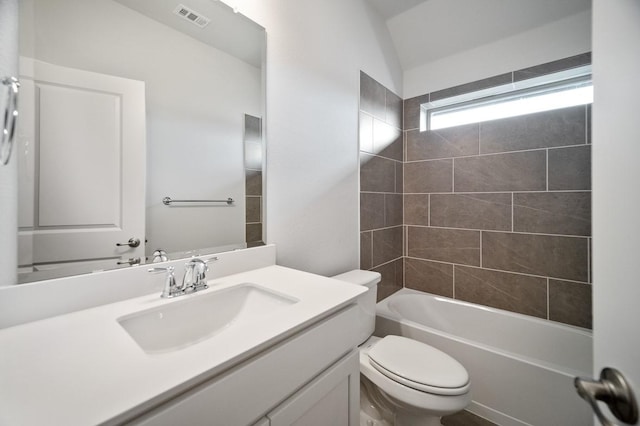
(194, 278)
(194, 275)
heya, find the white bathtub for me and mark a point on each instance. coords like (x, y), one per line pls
(521, 368)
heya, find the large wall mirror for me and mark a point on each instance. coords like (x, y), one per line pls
(126, 103)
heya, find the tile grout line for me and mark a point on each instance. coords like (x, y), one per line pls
(371, 254)
(384, 209)
(548, 315)
(500, 231)
(512, 209)
(547, 168)
(484, 268)
(489, 154)
(481, 232)
(453, 278)
(525, 191)
(453, 175)
(406, 242)
(589, 254)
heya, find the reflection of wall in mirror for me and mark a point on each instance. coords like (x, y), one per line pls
(196, 97)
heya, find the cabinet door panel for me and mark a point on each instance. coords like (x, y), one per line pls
(331, 399)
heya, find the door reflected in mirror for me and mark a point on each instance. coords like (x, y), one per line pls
(125, 103)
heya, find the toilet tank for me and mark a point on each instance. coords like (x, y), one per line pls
(366, 301)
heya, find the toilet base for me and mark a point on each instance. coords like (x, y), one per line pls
(367, 420)
(406, 418)
(376, 410)
(373, 411)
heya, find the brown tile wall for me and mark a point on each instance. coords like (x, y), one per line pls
(381, 183)
(253, 180)
(499, 213)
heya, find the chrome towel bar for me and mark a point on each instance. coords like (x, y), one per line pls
(167, 201)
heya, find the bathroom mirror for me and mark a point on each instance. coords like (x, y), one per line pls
(126, 103)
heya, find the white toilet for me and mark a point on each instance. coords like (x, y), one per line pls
(403, 382)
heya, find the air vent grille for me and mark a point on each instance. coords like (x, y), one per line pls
(191, 15)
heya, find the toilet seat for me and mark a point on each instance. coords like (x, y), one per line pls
(419, 366)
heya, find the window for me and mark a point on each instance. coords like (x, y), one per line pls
(551, 91)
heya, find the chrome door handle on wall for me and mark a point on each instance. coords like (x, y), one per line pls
(133, 242)
(10, 117)
(612, 389)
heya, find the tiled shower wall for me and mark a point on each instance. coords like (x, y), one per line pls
(253, 180)
(381, 163)
(499, 213)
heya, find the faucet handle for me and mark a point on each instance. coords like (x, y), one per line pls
(159, 256)
(170, 288)
(195, 274)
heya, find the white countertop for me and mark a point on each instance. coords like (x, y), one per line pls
(83, 368)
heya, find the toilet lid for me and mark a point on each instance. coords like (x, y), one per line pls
(419, 366)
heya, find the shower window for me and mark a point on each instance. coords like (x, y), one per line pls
(549, 92)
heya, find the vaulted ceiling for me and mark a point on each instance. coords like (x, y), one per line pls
(426, 30)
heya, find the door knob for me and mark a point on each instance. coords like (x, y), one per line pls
(612, 389)
(133, 242)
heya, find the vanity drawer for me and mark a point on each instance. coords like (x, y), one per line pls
(248, 391)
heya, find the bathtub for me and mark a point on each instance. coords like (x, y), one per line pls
(521, 368)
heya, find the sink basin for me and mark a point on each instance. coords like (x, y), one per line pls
(198, 317)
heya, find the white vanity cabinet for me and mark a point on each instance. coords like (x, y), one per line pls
(311, 378)
(330, 399)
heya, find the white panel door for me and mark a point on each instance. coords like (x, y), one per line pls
(87, 164)
(616, 191)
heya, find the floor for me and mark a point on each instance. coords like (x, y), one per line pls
(465, 418)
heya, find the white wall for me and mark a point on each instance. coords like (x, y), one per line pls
(8, 174)
(315, 50)
(196, 98)
(559, 39)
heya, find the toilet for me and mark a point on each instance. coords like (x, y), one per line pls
(403, 382)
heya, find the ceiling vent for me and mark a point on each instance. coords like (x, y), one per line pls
(191, 15)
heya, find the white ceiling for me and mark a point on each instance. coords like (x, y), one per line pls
(426, 30)
(228, 31)
(390, 8)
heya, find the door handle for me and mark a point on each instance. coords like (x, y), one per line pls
(132, 261)
(613, 390)
(133, 242)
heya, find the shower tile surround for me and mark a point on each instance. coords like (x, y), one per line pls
(496, 213)
(381, 184)
(253, 180)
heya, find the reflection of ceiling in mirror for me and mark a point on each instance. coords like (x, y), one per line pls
(228, 31)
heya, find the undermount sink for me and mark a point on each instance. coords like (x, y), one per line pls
(183, 323)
